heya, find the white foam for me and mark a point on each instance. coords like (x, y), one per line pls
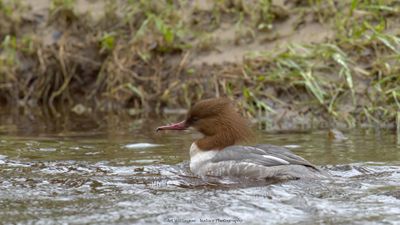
(47, 149)
(1, 159)
(292, 146)
(141, 145)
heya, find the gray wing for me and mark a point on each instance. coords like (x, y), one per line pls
(265, 155)
(284, 153)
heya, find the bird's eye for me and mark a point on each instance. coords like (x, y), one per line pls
(194, 119)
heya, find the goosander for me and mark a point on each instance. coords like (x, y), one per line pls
(217, 152)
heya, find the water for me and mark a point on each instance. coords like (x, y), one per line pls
(126, 176)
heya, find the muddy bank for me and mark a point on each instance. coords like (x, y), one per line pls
(290, 64)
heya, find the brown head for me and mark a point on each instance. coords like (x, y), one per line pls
(218, 121)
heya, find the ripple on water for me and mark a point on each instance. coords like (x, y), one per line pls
(72, 185)
(141, 145)
(2, 157)
(157, 193)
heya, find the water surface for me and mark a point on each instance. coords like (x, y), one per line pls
(136, 176)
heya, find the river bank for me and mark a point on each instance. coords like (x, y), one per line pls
(290, 64)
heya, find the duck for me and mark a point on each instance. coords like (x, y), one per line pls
(220, 153)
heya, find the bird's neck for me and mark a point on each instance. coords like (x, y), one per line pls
(216, 142)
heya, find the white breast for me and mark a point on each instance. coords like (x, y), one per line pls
(200, 159)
